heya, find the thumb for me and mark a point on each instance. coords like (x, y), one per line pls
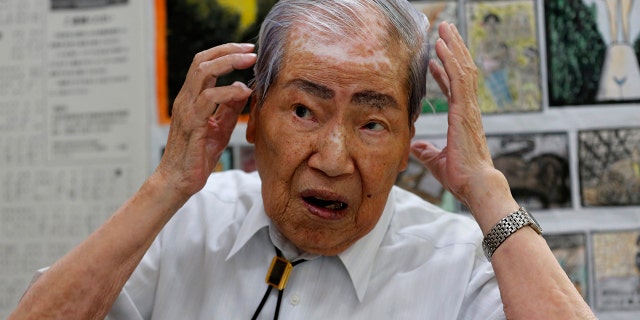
(424, 151)
(431, 157)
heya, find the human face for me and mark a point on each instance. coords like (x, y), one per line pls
(330, 139)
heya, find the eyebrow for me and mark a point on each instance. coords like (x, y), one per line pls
(366, 98)
(314, 89)
(374, 99)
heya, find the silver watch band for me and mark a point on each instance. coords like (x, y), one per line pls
(506, 227)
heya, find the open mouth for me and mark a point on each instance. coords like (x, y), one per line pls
(333, 205)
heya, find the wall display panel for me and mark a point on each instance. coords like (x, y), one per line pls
(536, 166)
(436, 12)
(571, 251)
(610, 167)
(592, 51)
(503, 41)
(616, 260)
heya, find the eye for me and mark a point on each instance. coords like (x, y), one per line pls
(302, 112)
(374, 126)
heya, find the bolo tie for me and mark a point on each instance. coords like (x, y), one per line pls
(277, 277)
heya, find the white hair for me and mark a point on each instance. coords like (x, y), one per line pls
(404, 25)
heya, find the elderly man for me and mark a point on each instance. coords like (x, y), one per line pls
(337, 90)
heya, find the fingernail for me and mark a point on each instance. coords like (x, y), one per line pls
(248, 45)
(241, 85)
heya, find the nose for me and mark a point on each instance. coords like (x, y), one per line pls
(332, 152)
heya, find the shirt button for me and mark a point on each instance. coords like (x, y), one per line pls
(295, 299)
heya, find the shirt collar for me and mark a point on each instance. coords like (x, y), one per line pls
(256, 219)
(357, 259)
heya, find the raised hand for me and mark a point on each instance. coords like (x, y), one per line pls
(464, 166)
(204, 117)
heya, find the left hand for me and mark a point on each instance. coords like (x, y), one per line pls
(464, 166)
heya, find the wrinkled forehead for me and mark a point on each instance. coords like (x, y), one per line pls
(306, 39)
(361, 34)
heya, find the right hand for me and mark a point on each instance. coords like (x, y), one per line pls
(204, 116)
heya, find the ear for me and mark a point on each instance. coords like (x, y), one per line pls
(251, 124)
(407, 151)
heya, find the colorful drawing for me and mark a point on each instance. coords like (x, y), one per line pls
(502, 38)
(196, 25)
(536, 166)
(592, 51)
(570, 250)
(620, 77)
(616, 261)
(609, 167)
(436, 12)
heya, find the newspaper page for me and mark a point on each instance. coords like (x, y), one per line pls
(74, 100)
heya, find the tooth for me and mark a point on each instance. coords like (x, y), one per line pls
(335, 206)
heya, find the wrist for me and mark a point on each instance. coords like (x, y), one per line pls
(164, 194)
(490, 199)
(507, 226)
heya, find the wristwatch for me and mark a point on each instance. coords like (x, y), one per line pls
(506, 227)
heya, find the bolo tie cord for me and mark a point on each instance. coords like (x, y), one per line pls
(280, 278)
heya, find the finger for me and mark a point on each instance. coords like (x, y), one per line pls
(224, 121)
(222, 50)
(211, 70)
(232, 55)
(424, 151)
(438, 73)
(211, 99)
(431, 157)
(460, 43)
(449, 33)
(462, 74)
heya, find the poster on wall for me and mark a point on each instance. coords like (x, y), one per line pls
(194, 26)
(74, 84)
(592, 52)
(436, 12)
(502, 39)
(616, 261)
(536, 166)
(570, 251)
(609, 166)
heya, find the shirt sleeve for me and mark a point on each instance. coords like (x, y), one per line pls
(482, 299)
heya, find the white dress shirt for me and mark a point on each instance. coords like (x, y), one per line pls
(211, 259)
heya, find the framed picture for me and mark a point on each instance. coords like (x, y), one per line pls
(609, 165)
(616, 264)
(570, 250)
(592, 51)
(436, 12)
(536, 166)
(502, 39)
